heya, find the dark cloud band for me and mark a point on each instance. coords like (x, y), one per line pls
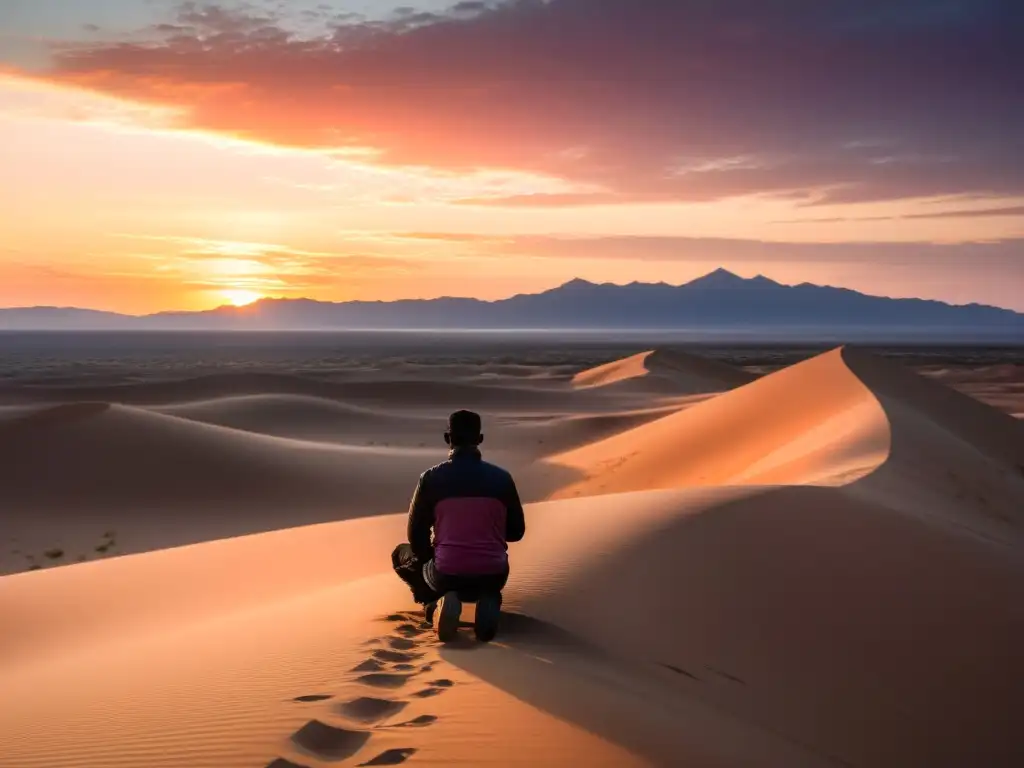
(824, 100)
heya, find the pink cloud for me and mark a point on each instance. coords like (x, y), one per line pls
(648, 99)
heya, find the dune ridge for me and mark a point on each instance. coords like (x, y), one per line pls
(951, 456)
(392, 392)
(109, 456)
(812, 422)
(302, 416)
(664, 371)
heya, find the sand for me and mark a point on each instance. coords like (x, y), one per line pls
(665, 372)
(1001, 386)
(822, 566)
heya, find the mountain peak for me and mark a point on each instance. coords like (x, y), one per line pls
(577, 282)
(720, 278)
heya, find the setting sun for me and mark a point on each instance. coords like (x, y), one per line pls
(241, 298)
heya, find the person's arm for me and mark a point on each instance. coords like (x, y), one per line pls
(515, 520)
(421, 519)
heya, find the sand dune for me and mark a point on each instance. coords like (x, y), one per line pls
(667, 372)
(813, 422)
(331, 421)
(311, 418)
(12, 412)
(950, 455)
(394, 393)
(852, 629)
(172, 391)
(96, 455)
(72, 473)
(827, 421)
(172, 475)
(766, 627)
(1001, 386)
(819, 567)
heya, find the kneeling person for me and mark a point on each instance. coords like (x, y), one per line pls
(474, 510)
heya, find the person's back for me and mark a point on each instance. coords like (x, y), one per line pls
(473, 509)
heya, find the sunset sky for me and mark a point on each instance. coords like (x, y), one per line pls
(164, 155)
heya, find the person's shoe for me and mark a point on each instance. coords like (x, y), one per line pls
(446, 617)
(488, 611)
(428, 611)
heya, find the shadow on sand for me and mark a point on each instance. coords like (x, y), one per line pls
(647, 711)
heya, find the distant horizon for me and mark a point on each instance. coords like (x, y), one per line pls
(582, 280)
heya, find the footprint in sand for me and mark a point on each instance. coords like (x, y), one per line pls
(411, 630)
(417, 722)
(391, 757)
(370, 710)
(401, 643)
(282, 763)
(329, 742)
(435, 688)
(370, 665)
(416, 617)
(396, 656)
(383, 680)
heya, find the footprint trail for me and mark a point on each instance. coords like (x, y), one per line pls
(345, 731)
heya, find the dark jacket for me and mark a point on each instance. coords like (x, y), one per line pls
(474, 510)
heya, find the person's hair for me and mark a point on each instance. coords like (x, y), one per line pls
(464, 428)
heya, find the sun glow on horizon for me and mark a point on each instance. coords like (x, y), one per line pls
(240, 297)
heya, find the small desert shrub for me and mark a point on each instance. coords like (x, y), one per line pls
(54, 554)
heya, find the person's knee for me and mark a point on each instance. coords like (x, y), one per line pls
(401, 555)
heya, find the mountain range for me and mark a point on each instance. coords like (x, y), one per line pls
(720, 301)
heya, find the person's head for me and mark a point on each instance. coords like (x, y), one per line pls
(464, 430)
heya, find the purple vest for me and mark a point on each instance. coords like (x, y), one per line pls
(469, 536)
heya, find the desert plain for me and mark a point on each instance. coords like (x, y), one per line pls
(733, 557)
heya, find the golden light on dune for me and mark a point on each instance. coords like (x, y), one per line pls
(240, 297)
